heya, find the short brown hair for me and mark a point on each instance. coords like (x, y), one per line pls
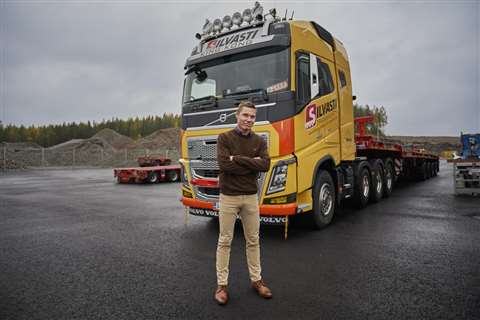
(245, 104)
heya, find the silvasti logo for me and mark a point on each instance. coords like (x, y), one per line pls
(230, 42)
(314, 112)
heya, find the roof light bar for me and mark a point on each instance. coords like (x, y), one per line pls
(249, 17)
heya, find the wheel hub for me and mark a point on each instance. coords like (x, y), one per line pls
(366, 186)
(326, 199)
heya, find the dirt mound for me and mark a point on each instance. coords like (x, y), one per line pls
(67, 144)
(113, 138)
(160, 139)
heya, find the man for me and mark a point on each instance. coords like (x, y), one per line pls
(241, 156)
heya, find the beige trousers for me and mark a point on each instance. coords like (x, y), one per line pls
(247, 208)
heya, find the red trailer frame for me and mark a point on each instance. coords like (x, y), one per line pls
(154, 174)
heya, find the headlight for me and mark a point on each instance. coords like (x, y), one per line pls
(278, 179)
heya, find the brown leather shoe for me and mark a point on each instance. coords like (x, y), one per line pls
(221, 295)
(262, 290)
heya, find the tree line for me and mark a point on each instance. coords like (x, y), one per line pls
(136, 128)
(53, 134)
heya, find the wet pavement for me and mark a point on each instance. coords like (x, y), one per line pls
(76, 245)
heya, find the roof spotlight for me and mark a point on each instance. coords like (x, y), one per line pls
(258, 11)
(226, 23)
(236, 20)
(217, 25)
(207, 27)
(247, 17)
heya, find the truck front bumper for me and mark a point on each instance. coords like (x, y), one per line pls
(206, 208)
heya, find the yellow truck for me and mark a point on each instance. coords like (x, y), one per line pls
(298, 76)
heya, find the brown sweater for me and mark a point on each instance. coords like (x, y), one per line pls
(239, 176)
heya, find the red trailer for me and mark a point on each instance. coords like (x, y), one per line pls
(148, 173)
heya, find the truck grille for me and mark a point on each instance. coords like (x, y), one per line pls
(202, 153)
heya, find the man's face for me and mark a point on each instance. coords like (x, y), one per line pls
(246, 119)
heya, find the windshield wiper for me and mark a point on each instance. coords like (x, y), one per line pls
(210, 101)
(244, 92)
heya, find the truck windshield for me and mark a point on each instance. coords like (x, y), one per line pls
(246, 72)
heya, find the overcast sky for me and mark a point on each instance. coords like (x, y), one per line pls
(94, 60)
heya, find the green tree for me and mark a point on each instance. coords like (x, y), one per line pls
(380, 118)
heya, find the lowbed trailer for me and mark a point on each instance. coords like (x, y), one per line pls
(170, 173)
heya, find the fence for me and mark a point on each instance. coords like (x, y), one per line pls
(23, 158)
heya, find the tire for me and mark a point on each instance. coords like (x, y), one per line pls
(362, 187)
(376, 192)
(388, 178)
(422, 172)
(434, 169)
(173, 176)
(152, 177)
(324, 200)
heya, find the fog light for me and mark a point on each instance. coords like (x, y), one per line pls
(236, 20)
(247, 17)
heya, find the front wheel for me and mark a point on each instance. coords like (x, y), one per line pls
(323, 200)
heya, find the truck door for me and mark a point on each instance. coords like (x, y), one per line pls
(316, 122)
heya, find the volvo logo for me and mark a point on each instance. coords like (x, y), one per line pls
(223, 117)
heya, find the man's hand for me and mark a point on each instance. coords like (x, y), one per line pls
(231, 158)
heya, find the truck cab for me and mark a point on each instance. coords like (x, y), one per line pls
(298, 76)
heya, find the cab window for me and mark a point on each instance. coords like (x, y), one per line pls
(303, 80)
(324, 78)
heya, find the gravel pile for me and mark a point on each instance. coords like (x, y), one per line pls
(107, 148)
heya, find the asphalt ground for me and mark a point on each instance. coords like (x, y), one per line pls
(76, 245)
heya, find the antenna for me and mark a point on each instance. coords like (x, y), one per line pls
(285, 18)
(291, 18)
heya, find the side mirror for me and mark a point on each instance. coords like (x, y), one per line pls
(201, 75)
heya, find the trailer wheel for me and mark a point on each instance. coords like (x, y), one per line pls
(152, 177)
(173, 175)
(362, 188)
(434, 169)
(377, 181)
(422, 172)
(388, 178)
(323, 200)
